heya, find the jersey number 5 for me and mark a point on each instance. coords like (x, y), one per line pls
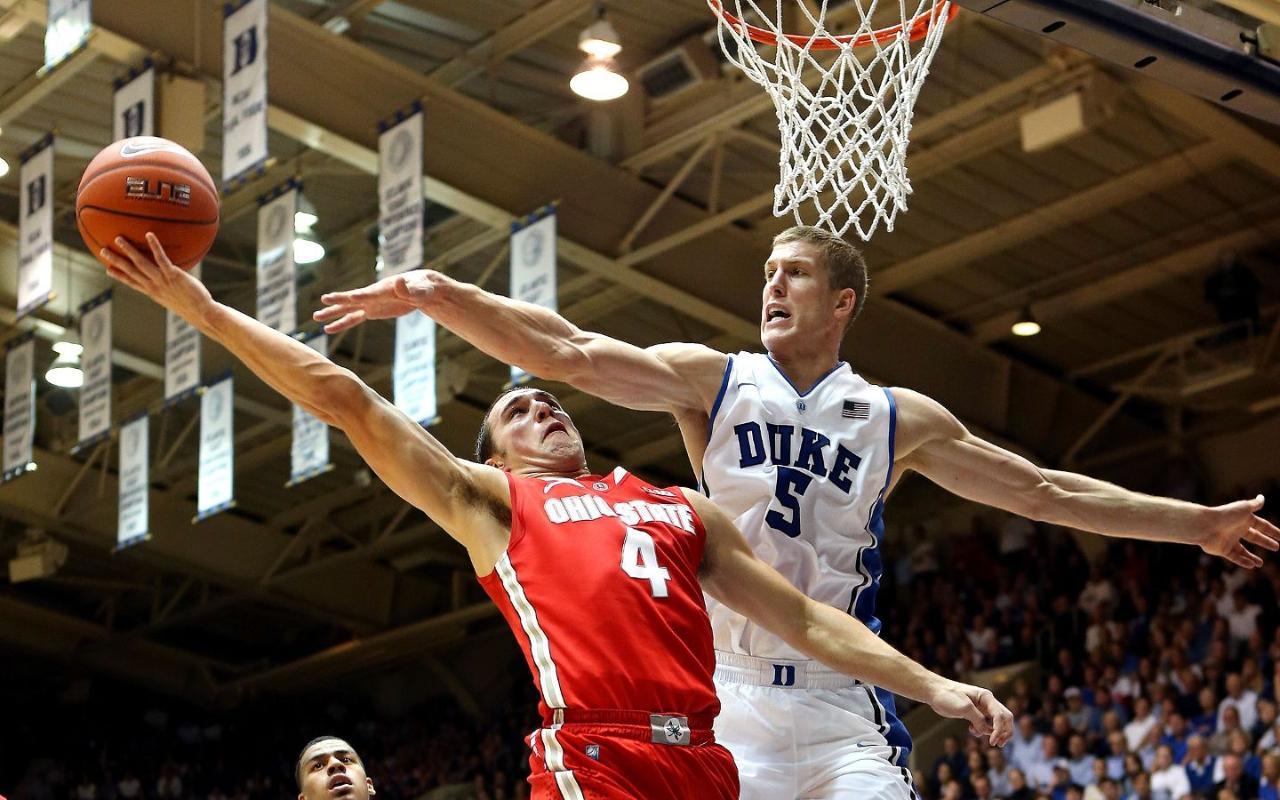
(792, 484)
(640, 560)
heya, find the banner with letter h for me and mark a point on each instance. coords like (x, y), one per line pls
(533, 265)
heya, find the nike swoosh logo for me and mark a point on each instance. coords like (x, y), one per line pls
(136, 148)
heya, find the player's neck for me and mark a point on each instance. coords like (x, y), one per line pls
(805, 370)
(537, 471)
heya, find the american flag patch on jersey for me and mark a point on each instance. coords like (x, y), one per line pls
(856, 409)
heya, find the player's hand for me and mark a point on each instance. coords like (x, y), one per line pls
(986, 715)
(1230, 527)
(388, 298)
(155, 276)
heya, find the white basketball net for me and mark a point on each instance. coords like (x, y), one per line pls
(844, 115)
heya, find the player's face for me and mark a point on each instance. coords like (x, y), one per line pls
(331, 770)
(530, 429)
(799, 310)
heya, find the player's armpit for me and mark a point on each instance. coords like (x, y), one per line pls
(470, 501)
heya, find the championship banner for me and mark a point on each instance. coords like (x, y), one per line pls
(133, 522)
(35, 227)
(309, 453)
(70, 23)
(19, 406)
(95, 361)
(400, 199)
(533, 265)
(277, 280)
(134, 104)
(244, 88)
(217, 450)
(413, 368)
(181, 355)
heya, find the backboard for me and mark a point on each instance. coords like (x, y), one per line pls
(1227, 52)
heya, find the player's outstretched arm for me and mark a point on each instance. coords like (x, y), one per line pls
(734, 575)
(407, 458)
(670, 377)
(934, 443)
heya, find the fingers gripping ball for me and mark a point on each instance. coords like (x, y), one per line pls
(148, 184)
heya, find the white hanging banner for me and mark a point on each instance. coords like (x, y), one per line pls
(95, 362)
(35, 227)
(400, 199)
(309, 453)
(277, 277)
(70, 23)
(181, 355)
(244, 88)
(133, 523)
(19, 406)
(134, 105)
(215, 487)
(413, 367)
(533, 265)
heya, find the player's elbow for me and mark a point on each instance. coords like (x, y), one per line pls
(1043, 501)
(346, 399)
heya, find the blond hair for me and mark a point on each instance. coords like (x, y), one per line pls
(846, 268)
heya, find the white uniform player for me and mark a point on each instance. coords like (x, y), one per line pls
(778, 459)
(804, 476)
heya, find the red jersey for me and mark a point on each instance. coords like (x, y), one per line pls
(599, 584)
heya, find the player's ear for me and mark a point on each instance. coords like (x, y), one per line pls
(369, 783)
(495, 462)
(846, 301)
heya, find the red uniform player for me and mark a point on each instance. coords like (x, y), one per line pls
(620, 558)
(623, 659)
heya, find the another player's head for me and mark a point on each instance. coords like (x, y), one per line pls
(328, 768)
(815, 286)
(527, 430)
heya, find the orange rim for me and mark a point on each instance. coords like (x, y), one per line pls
(918, 28)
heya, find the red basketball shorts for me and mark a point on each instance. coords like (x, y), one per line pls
(620, 762)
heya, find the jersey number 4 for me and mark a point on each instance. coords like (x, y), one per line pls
(792, 484)
(640, 561)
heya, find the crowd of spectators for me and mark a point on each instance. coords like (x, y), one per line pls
(1157, 678)
(124, 751)
(1158, 667)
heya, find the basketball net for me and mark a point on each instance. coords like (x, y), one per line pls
(844, 102)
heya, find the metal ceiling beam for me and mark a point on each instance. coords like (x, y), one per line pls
(524, 30)
(945, 155)
(744, 101)
(1183, 261)
(406, 642)
(85, 644)
(1209, 120)
(226, 549)
(1077, 207)
(21, 98)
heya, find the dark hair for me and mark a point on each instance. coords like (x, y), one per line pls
(297, 767)
(846, 268)
(484, 439)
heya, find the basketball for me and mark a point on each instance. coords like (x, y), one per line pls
(147, 184)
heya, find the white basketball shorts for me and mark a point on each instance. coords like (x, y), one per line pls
(800, 730)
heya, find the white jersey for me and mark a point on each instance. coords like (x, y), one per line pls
(804, 477)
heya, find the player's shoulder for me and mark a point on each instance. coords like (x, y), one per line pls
(699, 366)
(920, 419)
(689, 354)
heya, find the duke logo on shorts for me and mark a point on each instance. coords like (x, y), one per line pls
(803, 471)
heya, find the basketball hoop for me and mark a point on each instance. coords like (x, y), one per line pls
(844, 103)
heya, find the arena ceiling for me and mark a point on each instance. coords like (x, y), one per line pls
(664, 224)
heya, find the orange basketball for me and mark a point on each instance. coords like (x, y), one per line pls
(147, 184)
